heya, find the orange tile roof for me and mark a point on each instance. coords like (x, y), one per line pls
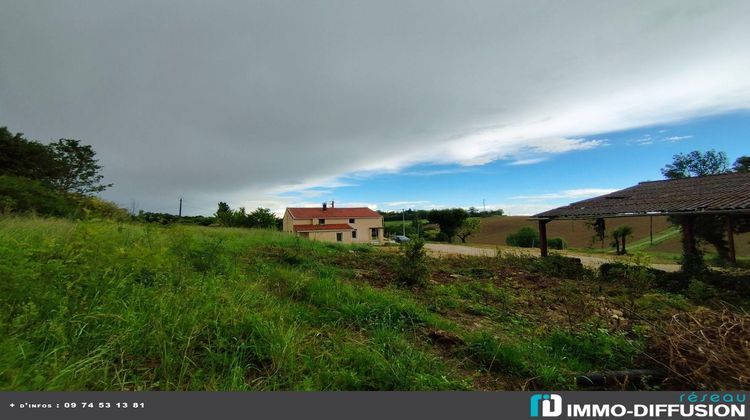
(309, 228)
(332, 213)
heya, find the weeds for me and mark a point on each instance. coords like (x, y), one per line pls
(98, 305)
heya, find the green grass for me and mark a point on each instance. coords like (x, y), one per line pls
(100, 305)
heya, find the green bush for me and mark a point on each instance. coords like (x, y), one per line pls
(23, 195)
(560, 266)
(411, 267)
(557, 243)
(525, 237)
(699, 291)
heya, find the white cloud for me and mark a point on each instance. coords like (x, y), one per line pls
(674, 139)
(529, 161)
(537, 203)
(521, 209)
(404, 204)
(267, 103)
(579, 193)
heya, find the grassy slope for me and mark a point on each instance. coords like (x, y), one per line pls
(106, 306)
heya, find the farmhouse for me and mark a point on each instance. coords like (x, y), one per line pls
(331, 224)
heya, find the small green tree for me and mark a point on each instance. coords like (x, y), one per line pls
(467, 228)
(224, 214)
(600, 231)
(263, 218)
(619, 237)
(80, 169)
(411, 266)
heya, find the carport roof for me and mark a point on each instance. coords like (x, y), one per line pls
(719, 194)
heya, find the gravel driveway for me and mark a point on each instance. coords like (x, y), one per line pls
(587, 260)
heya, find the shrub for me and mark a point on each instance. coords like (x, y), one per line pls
(24, 195)
(559, 266)
(557, 243)
(525, 237)
(700, 291)
(705, 349)
(411, 267)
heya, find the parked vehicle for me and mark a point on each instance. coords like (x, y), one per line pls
(399, 239)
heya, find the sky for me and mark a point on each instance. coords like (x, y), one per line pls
(523, 106)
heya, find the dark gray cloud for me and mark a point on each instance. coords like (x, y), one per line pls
(243, 100)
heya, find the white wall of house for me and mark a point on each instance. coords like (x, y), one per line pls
(363, 227)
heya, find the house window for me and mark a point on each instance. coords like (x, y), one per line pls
(339, 237)
(374, 233)
(321, 221)
(351, 220)
(354, 234)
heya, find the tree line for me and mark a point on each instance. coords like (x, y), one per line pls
(58, 179)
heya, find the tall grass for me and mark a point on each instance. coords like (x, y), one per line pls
(108, 306)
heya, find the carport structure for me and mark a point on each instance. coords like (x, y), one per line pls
(726, 195)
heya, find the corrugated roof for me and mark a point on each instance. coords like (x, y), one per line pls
(714, 193)
(310, 228)
(332, 213)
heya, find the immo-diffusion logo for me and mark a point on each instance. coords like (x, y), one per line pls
(705, 405)
(551, 405)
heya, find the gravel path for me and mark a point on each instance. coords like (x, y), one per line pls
(587, 260)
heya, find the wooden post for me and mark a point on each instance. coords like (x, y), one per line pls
(543, 237)
(651, 228)
(730, 239)
(688, 235)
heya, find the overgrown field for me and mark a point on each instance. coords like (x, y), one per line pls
(99, 305)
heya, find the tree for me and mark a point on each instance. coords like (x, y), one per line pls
(708, 228)
(742, 164)
(468, 227)
(24, 195)
(24, 158)
(449, 220)
(411, 266)
(600, 229)
(696, 163)
(80, 171)
(263, 218)
(224, 214)
(619, 236)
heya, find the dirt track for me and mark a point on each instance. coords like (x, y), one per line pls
(587, 260)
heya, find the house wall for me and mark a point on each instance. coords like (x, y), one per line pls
(328, 236)
(362, 225)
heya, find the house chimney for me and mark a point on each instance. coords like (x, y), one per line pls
(324, 206)
(331, 203)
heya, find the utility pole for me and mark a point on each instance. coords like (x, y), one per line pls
(403, 222)
(180, 213)
(484, 208)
